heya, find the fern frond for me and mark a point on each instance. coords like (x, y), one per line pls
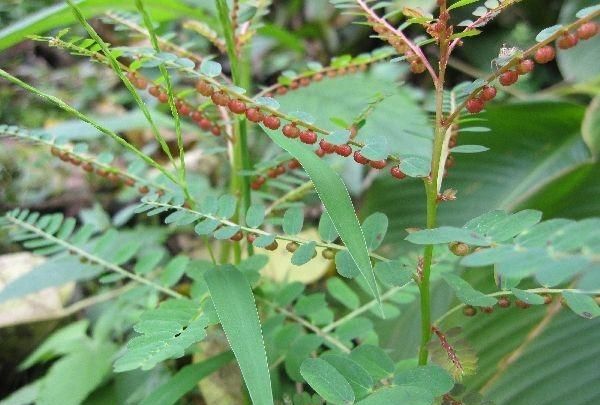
(76, 154)
(53, 234)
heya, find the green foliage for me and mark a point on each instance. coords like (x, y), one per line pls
(184, 281)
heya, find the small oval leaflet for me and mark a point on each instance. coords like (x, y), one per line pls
(210, 68)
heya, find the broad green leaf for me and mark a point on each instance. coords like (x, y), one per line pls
(255, 215)
(227, 204)
(234, 302)
(374, 228)
(59, 15)
(342, 293)
(334, 195)
(530, 298)
(301, 349)
(461, 3)
(327, 381)
(186, 380)
(345, 265)
(447, 234)
(431, 378)
(590, 128)
(399, 395)
(360, 381)
(174, 270)
(293, 219)
(583, 305)
(210, 68)
(304, 253)
(165, 333)
(326, 229)
(373, 359)
(393, 273)
(466, 293)
(72, 378)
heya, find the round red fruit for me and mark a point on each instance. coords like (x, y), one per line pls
(154, 91)
(545, 54)
(291, 131)
(509, 77)
(567, 41)
(294, 164)
(378, 164)
(216, 131)
(271, 122)
(204, 88)
(320, 152)
(196, 115)
(526, 66)
(308, 137)
(326, 146)
(163, 97)
(587, 30)
(397, 173)
(254, 115)
(488, 93)
(475, 105)
(220, 98)
(359, 158)
(344, 150)
(237, 106)
(205, 124)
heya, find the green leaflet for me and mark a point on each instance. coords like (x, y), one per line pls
(234, 302)
(185, 380)
(60, 15)
(334, 195)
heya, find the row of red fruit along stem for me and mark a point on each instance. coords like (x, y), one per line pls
(543, 55)
(183, 108)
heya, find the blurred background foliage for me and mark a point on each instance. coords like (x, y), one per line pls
(543, 155)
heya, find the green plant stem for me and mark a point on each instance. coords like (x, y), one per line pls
(431, 190)
(241, 159)
(61, 104)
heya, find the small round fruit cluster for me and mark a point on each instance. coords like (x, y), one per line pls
(274, 172)
(307, 79)
(542, 55)
(183, 108)
(503, 302)
(114, 176)
(290, 130)
(416, 64)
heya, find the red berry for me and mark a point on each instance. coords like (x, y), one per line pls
(359, 158)
(343, 150)
(220, 98)
(318, 77)
(320, 152)
(205, 124)
(254, 115)
(140, 83)
(272, 246)
(522, 304)
(237, 106)
(308, 137)
(291, 131)
(475, 105)
(294, 164)
(305, 81)
(154, 91)
(255, 186)
(503, 302)
(282, 90)
(545, 54)
(326, 146)
(163, 97)
(488, 93)
(184, 109)
(204, 88)
(397, 173)
(251, 237)
(526, 66)
(469, 311)
(487, 310)
(144, 189)
(271, 122)
(509, 77)
(567, 41)
(280, 170)
(587, 30)
(272, 173)
(216, 131)
(238, 236)
(196, 115)
(378, 164)
(417, 67)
